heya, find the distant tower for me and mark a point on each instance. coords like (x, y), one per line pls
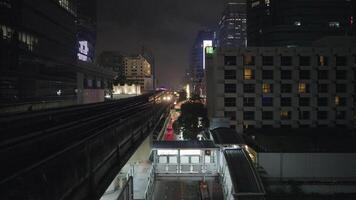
(232, 26)
(196, 67)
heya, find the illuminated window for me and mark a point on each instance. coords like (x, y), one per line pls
(267, 88)
(249, 74)
(285, 115)
(29, 40)
(248, 60)
(334, 24)
(6, 32)
(340, 101)
(303, 88)
(68, 5)
(322, 60)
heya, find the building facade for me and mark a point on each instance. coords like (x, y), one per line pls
(197, 60)
(138, 71)
(298, 22)
(232, 28)
(38, 40)
(47, 52)
(282, 87)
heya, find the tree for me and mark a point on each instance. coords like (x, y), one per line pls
(192, 121)
(182, 95)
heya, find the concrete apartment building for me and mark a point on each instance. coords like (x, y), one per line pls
(279, 87)
(138, 70)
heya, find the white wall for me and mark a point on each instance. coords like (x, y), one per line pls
(308, 165)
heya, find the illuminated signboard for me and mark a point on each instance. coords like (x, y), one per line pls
(206, 43)
(83, 50)
(209, 50)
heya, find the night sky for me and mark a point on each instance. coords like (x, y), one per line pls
(167, 27)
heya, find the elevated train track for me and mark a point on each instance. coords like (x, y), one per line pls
(74, 152)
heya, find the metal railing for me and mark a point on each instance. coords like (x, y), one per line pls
(127, 191)
(150, 185)
(186, 168)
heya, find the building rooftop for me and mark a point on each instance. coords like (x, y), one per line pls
(302, 140)
(224, 135)
(336, 41)
(191, 144)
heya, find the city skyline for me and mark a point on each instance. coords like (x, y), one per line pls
(169, 28)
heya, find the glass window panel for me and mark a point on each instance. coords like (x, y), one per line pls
(162, 159)
(173, 159)
(207, 159)
(195, 159)
(184, 159)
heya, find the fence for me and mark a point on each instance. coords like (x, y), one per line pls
(127, 190)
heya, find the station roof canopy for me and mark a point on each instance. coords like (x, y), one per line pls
(224, 135)
(191, 144)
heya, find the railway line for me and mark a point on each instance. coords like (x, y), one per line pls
(102, 131)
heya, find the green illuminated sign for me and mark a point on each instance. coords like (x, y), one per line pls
(209, 50)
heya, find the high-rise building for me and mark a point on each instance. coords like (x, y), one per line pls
(138, 71)
(148, 54)
(260, 87)
(232, 30)
(37, 50)
(298, 22)
(86, 29)
(47, 52)
(197, 60)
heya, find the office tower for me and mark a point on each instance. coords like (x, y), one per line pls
(298, 22)
(232, 31)
(38, 40)
(197, 60)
